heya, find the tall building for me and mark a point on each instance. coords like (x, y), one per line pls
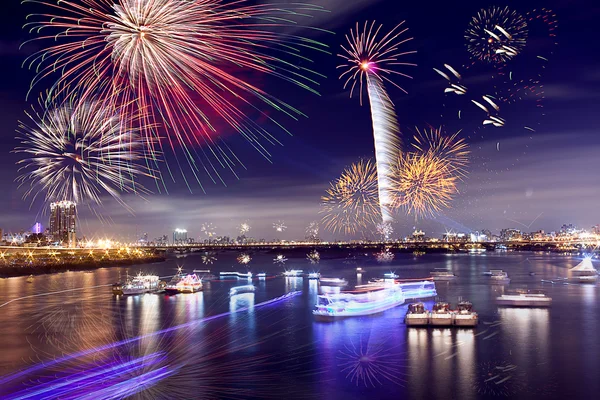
(63, 216)
(180, 236)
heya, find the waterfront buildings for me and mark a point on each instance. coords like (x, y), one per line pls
(63, 228)
(180, 236)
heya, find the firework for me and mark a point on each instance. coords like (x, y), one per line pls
(244, 259)
(498, 379)
(312, 231)
(209, 258)
(279, 259)
(177, 59)
(314, 257)
(385, 230)
(208, 229)
(449, 148)
(244, 228)
(496, 35)
(384, 256)
(453, 81)
(371, 61)
(351, 203)
(79, 151)
(279, 226)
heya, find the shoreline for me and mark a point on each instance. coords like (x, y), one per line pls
(7, 271)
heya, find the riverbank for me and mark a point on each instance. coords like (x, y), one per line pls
(9, 271)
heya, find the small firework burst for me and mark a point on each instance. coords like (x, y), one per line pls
(279, 226)
(370, 365)
(314, 257)
(244, 228)
(448, 147)
(385, 229)
(209, 258)
(312, 231)
(496, 35)
(209, 229)
(244, 259)
(279, 259)
(384, 256)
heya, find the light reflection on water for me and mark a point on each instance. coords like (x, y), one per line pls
(550, 349)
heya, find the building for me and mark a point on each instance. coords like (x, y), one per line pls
(510, 234)
(63, 225)
(180, 236)
(37, 228)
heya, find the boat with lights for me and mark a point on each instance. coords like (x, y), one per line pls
(333, 282)
(442, 274)
(314, 275)
(294, 273)
(189, 284)
(440, 314)
(235, 275)
(417, 315)
(141, 284)
(524, 299)
(464, 315)
(584, 272)
(497, 276)
(241, 289)
(205, 274)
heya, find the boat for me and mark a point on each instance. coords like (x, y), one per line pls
(584, 272)
(293, 273)
(117, 289)
(189, 284)
(477, 250)
(500, 247)
(360, 270)
(497, 276)
(419, 289)
(365, 300)
(465, 316)
(30, 279)
(204, 274)
(333, 282)
(416, 315)
(141, 284)
(241, 289)
(440, 314)
(261, 275)
(235, 275)
(171, 287)
(442, 274)
(528, 299)
(314, 275)
(390, 275)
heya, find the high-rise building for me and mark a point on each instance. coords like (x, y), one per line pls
(63, 216)
(37, 228)
(180, 236)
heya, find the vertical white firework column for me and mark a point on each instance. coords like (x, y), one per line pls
(387, 141)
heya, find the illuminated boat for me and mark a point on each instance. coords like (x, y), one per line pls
(235, 275)
(416, 315)
(293, 273)
(418, 289)
(261, 275)
(497, 276)
(584, 272)
(117, 289)
(241, 289)
(189, 284)
(465, 316)
(440, 314)
(30, 279)
(333, 282)
(204, 274)
(141, 284)
(477, 250)
(390, 275)
(364, 300)
(524, 300)
(442, 274)
(171, 287)
(314, 275)
(360, 270)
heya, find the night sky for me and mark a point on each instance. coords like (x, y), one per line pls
(517, 178)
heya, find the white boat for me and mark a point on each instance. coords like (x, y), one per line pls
(416, 315)
(390, 275)
(141, 284)
(465, 316)
(418, 289)
(584, 272)
(366, 300)
(360, 270)
(333, 282)
(441, 274)
(204, 274)
(235, 275)
(477, 250)
(440, 314)
(524, 300)
(241, 289)
(497, 276)
(261, 275)
(314, 275)
(293, 273)
(189, 284)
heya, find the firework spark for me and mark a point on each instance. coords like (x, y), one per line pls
(496, 35)
(384, 256)
(314, 257)
(312, 231)
(370, 365)
(279, 226)
(209, 258)
(385, 230)
(177, 59)
(78, 152)
(279, 259)
(244, 259)
(371, 61)
(351, 203)
(208, 229)
(244, 228)
(449, 148)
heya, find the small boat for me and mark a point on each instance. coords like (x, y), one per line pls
(30, 279)
(465, 316)
(241, 289)
(235, 275)
(440, 314)
(416, 315)
(417, 289)
(333, 282)
(477, 250)
(360, 270)
(390, 275)
(117, 289)
(584, 272)
(497, 276)
(293, 273)
(189, 284)
(314, 275)
(529, 299)
(442, 274)
(261, 275)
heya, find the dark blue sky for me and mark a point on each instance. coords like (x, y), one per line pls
(515, 175)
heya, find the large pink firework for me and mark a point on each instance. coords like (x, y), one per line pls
(179, 60)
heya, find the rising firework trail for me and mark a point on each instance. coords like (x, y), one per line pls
(370, 60)
(179, 60)
(78, 151)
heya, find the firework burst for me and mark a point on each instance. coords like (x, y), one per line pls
(177, 59)
(209, 258)
(279, 226)
(384, 256)
(208, 229)
(351, 203)
(314, 257)
(78, 152)
(244, 228)
(312, 231)
(279, 259)
(371, 61)
(385, 230)
(496, 35)
(244, 259)
(448, 148)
